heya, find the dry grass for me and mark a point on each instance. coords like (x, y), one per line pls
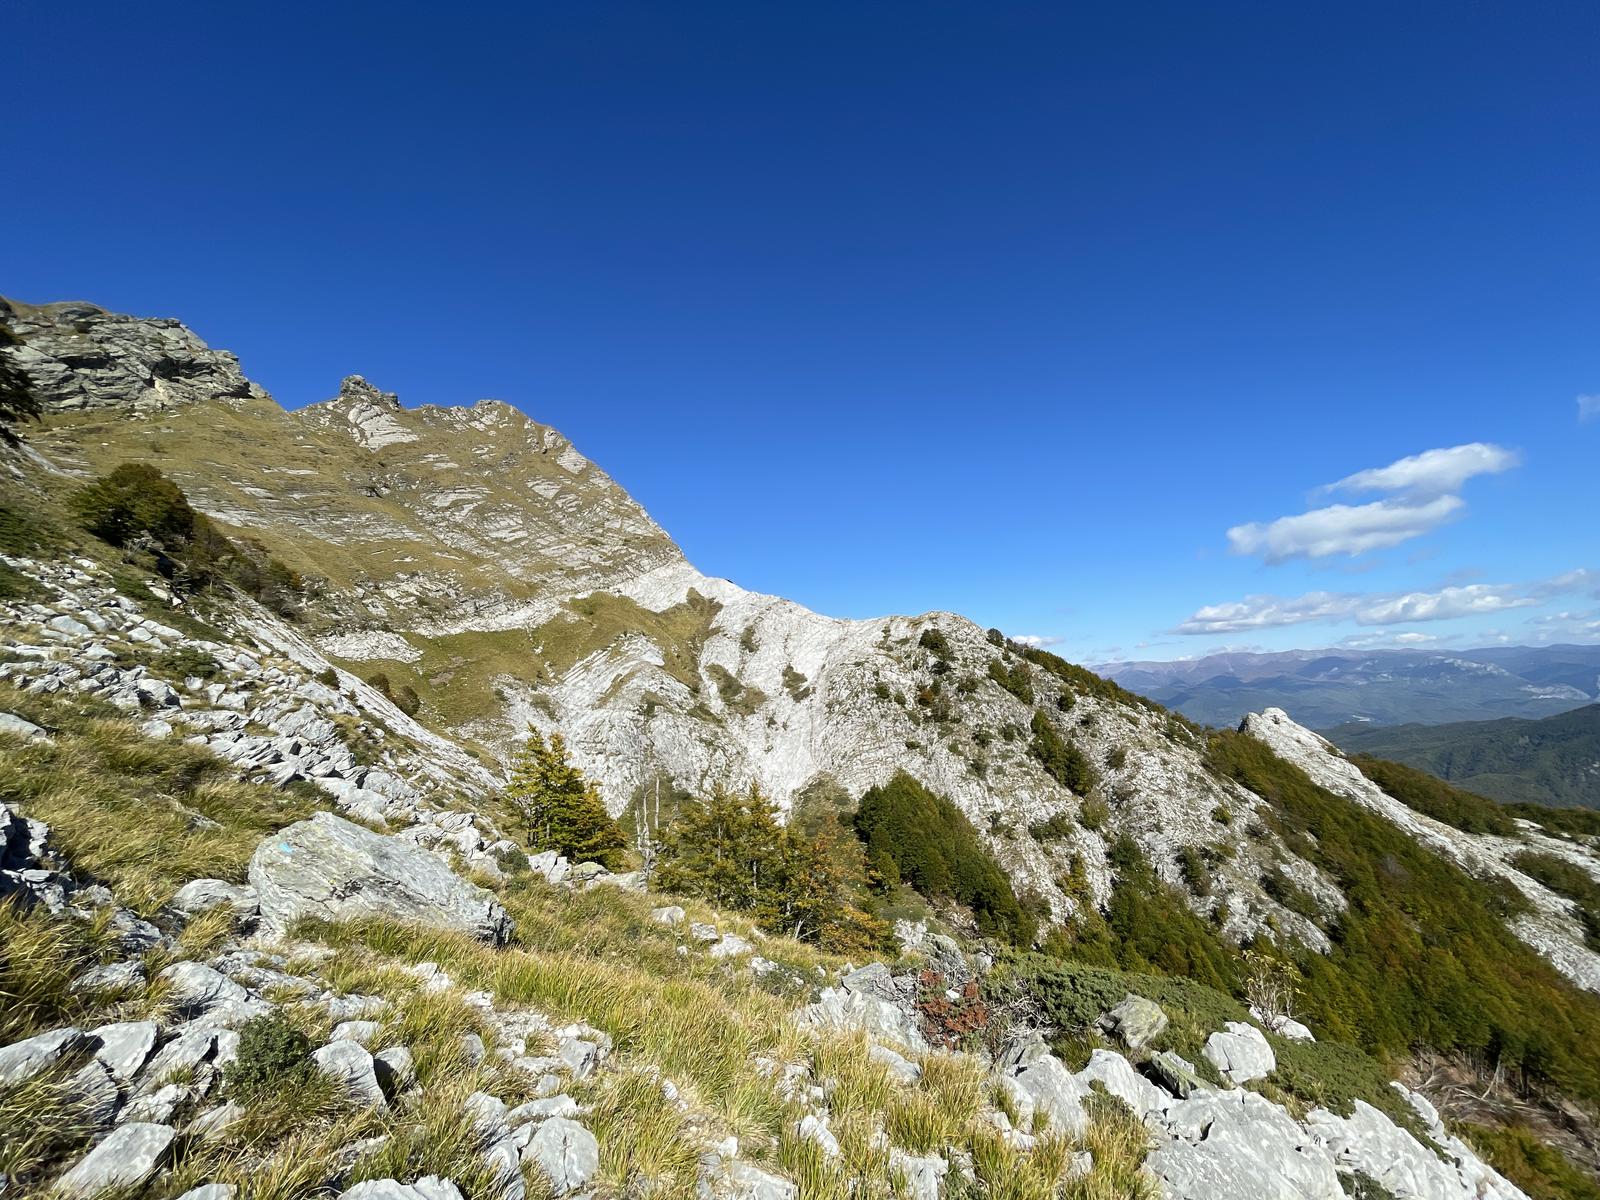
(144, 816)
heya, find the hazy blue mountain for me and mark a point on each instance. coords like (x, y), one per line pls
(1327, 688)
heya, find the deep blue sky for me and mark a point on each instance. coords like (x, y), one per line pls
(1011, 309)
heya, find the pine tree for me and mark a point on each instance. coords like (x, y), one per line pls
(557, 808)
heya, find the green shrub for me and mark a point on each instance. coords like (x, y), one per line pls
(1536, 1167)
(1062, 761)
(274, 1054)
(1015, 679)
(1117, 759)
(934, 641)
(1053, 829)
(1436, 798)
(137, 508)
(404, 696)
(328, 677)
(1093, 813)
(1196, 870)
(935, 849)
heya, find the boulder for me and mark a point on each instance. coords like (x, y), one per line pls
(730, 946)
(23, 1060)
(329, 868)
(566, 1152)
(352, 1066)
(199, 895)
(1240, 1146)
(1117, 1076)
(1175, 1073)
(18, 727)
(129, 1156)
(199, 990)
(1240, 1053)
(922, 1173)
(110, 977)
(429, 1187)
(1137, 1021)
(746, 1181)
(672, 914)
(211, 1191)
(1047, 1088)
(126, 1046)
(395, 1070)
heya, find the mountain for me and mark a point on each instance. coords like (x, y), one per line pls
(263, 675)
(1553, 760)
(1328, 688)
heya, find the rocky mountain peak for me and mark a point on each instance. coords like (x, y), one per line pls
(354, 389)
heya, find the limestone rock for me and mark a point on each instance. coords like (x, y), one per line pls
(23, 1060)
(129, 1156)
(352, 1066)
(1137, 1021)
(567, 1153)
(1240, 1053)
(1117, 1076)
(1045, 1087)
(126, 1046)
(429, 1187)
(923, 1173)
(200, 895)
(1240, 1146)
(327, 867)
(746, 1181)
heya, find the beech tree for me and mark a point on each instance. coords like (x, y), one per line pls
(557, 808)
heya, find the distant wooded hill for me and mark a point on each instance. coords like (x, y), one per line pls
(1554, 760)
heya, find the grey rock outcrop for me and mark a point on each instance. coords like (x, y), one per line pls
(22, 1060)
(1240, 1053)
(566, 1152)
(129, 1156)
(329, 868)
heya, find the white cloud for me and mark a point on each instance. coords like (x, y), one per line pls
(1588, 407)
(1446, 604)
(1038, 641)
(1433, 472)
(1342, 529)
(1378, 641)
(1424, 488)
(1390, 608)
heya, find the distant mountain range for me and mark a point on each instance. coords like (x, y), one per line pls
(1555, 760)
(1324, 689)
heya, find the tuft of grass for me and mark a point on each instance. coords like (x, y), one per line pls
(44, 1125)
(40, 955)
(142, 815)
(646, 1148)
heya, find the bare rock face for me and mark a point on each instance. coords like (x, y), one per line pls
(78, 356)
(329, 868)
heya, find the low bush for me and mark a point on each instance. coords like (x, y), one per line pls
(274, 1054)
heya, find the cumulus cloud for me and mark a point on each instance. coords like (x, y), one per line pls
(1342, 529)
(1038, 641)
(1433, 472)
(1424, 488)
(1446, 603)
(1589, 407)
(1388, 608)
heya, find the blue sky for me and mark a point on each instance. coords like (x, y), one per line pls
(1011, 309)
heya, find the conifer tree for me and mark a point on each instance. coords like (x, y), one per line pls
(557, 808)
